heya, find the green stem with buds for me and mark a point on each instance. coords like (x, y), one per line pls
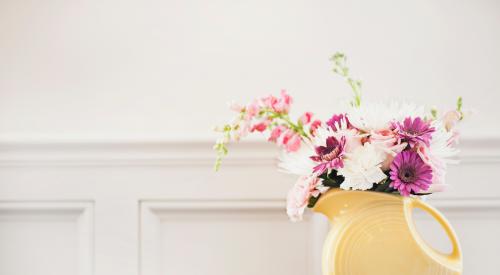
(459, 107)
(340, 67)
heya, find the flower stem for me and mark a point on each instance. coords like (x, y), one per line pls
(340, 67)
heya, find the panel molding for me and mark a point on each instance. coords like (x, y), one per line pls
(177, 153)
(150, 219)
(475, 151)
(467, 205)
(130, 153)
(82, 210)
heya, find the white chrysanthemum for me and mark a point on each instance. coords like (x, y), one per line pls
(298, 162)
(438, 155)
(376, 116)
(320, 136)
(362, 168)
(439, 143)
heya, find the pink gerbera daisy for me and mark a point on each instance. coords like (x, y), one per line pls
(409, 173)
(414, 131)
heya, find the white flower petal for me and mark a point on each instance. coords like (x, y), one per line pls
(362, 168)
(438, 155)
(376, 116)
(297, 163)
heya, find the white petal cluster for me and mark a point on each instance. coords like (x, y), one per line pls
(297, 163)
(362, 168)
(376, 116)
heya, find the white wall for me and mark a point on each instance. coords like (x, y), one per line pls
(165, 69)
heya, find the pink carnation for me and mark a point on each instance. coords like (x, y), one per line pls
(299, 195)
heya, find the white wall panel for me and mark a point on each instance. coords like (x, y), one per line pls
(46, 238)
(148, 197)
(224, 237)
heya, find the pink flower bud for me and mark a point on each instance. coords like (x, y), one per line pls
(293, 143)
(252, 109)
(261, 126)
(243, 130)
(306, 118)
(270, 101)
(276, 133)
(290, 140)
(236, 107)
(283, 104)
(314, 126)
(450, 119)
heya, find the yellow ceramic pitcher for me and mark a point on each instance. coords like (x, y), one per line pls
(373, 233)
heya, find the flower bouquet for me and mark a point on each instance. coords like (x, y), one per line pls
(391, 147)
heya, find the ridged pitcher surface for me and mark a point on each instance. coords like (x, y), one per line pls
(373, 233)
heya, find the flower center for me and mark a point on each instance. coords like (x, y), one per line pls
(407, 174)
(331, 155)
(412, 132)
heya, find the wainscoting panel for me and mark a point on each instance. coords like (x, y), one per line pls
(151, 208)
(223, 237)
(46, 238)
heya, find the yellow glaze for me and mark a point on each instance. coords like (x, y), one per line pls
(373, 233)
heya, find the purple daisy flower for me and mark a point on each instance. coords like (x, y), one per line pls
(337, 120)
(410, 173)
(414, 131)
(330, 155)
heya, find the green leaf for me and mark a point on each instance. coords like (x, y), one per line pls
(333, 180)
(312, 201)
(459, 104)
(323, 176)
(383, 186)
(459, 107)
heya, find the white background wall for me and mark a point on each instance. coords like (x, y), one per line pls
(106, 110)
(165, 69)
